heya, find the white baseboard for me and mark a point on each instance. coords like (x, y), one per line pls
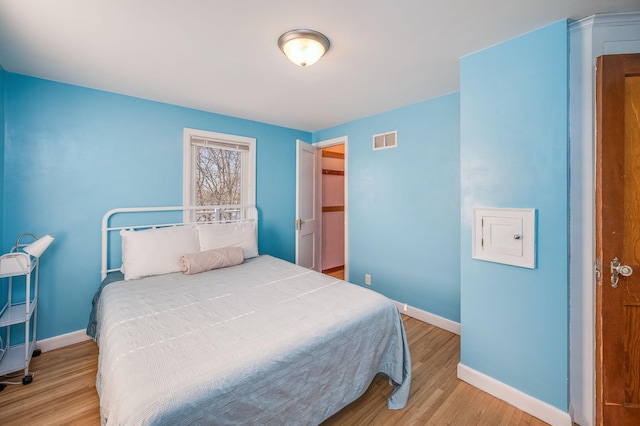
(543, 411)
(62, 340)
(429, 318)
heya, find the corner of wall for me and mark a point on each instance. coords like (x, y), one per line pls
(515, 155)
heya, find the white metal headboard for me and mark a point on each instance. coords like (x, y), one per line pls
(199, 215)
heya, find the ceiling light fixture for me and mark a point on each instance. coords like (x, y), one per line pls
(303, 47)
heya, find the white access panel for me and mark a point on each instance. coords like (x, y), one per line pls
(505, 236)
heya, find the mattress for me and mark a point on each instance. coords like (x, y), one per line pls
(264, 342)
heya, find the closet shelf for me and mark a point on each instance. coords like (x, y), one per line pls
(332, 172)
(329, 209)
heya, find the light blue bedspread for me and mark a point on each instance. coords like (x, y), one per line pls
(265, 342)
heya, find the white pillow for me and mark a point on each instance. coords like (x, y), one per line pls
(241, 234)
(156, 251)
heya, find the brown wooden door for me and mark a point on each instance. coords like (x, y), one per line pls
(618, 236)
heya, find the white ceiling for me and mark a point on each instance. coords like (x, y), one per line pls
(221, 55)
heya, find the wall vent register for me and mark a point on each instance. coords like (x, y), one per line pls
(505, 236)
(385, 140)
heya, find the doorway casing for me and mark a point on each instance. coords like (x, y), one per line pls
(341, 140)
(589, 38)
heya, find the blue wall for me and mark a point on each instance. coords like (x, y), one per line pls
(72, 153)
(404, 205)
(2, 120)
(513, 153)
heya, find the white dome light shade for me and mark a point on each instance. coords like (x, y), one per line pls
(303, 47)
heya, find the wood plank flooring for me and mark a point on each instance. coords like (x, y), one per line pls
(63, 390)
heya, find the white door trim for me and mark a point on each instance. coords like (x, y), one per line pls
(589, 38)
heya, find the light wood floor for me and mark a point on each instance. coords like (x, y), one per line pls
(63, 390)
(336, 274)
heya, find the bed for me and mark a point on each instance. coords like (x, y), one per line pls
(261, 342)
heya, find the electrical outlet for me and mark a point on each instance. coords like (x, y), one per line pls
(367, 279)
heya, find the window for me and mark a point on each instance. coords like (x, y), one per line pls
(219, 169)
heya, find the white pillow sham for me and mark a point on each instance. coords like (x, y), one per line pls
(156, 251)
(241, 234)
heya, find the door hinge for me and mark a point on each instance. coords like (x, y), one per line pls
(598, 271)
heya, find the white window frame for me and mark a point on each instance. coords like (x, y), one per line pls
(189, 153)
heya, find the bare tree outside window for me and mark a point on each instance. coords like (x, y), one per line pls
(218, 179)
(219, 170)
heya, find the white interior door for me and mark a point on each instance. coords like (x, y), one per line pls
(307, 203)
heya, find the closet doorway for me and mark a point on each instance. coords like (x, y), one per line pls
(333, 177)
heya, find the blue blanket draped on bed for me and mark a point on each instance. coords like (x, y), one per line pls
(264, 342)
(112, 277)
